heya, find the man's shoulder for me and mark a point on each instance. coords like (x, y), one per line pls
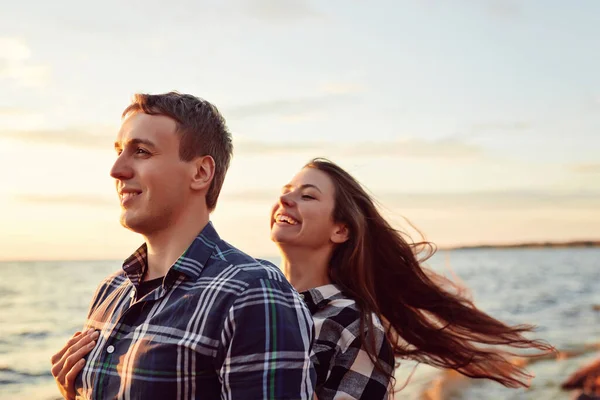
(260, 268)
(115, 279)
(248, 268)
(107, 286)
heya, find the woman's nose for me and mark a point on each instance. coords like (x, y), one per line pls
(286, 200)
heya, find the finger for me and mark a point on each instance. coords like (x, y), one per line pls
(83, 341)
(56, 358)
(69, 343)
(76, 344)
(73, 359)
(70, 377)
(67, 386)
(74, 339)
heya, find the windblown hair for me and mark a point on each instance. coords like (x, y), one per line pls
(201, 127)
(426, 319)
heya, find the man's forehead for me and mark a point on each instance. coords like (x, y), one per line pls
(144, 126)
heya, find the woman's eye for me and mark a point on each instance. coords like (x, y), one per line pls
(307, 197)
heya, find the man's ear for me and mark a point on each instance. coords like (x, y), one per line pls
(203, 172)
(340, 234)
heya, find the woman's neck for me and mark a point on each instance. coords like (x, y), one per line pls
(306, 268)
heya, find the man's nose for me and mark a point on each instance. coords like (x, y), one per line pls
(121, 169)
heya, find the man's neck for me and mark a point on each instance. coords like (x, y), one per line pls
(306, 268)
(166, 246)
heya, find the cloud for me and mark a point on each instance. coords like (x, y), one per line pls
(331, 94)
(300, 117)
(15, 64)
(519, 199)
(286, 108)
(591, 102)
(490, 200)
(487, 128)
(342, 87)
(281, 10)
(25, 75)
(98, 138)
(445, 148)
(89, 138)
(70, 199)
(499, 9)
(14, 49)
(586, 168)
(13, 111)
(501, 126)
(507, 9)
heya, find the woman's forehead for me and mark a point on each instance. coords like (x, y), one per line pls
(313, 176)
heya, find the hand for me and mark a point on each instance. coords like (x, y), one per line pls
(68, 362)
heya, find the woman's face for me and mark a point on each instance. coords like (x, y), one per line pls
(303, 216)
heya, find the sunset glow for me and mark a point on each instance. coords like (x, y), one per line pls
(467, 119)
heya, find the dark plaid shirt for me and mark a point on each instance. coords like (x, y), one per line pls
(221, 326)
(344, 369)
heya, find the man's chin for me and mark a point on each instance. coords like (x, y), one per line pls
(131, 224)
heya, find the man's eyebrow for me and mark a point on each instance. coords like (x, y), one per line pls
(305, 186)
(135, 141)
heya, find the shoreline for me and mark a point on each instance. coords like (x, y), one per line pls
(530, 245)
(574, 244)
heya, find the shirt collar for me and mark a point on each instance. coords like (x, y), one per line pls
(319, 297)
(191, 263)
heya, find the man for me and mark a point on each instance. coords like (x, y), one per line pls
(189, 316)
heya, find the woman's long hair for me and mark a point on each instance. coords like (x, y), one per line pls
(426, 320)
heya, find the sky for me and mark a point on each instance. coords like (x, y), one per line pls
(476, 121)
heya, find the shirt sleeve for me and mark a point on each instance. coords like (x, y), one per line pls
(266, 344)
(354, 376)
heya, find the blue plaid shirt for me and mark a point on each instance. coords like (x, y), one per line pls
(221, 326)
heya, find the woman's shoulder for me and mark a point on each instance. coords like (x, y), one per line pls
(330, 302)
(340, 352)
(337, 317)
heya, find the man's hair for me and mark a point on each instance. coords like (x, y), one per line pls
(201, 127)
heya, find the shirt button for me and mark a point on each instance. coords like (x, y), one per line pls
(302, 296)
(110, 349)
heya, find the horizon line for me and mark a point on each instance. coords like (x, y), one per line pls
(578, 243)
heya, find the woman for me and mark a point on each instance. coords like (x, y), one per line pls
(370, 297)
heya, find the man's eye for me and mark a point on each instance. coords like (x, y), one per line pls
(139, 150)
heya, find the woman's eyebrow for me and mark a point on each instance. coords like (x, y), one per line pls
(305, 186)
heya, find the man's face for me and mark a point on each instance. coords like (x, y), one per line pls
(152, 182)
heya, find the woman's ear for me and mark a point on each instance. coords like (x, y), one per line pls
(340, 234)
